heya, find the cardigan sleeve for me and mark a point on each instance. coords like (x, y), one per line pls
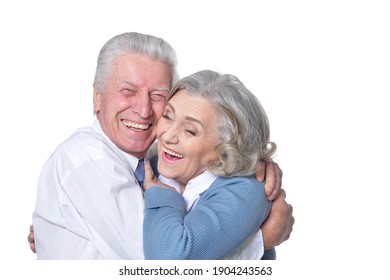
(225, 215)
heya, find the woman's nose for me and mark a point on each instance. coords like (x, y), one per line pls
(171, 134)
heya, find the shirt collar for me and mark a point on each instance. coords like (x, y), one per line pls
(197, 185)
(132, 160)
(201, 183)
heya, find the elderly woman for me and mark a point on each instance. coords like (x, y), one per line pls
(205, 203)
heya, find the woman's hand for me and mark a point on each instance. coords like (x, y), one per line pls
(151, 180)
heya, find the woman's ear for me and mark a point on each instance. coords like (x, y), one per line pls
(217, 162)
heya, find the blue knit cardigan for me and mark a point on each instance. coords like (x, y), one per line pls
(224, 216)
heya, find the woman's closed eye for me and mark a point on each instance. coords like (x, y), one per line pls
(167, 116)
(191, 131)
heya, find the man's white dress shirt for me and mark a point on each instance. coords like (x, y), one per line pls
(89, 204)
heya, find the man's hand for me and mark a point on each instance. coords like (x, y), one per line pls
(31, 239)
(272, 174)
(279, 224)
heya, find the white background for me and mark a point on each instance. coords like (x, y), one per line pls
(320, 68)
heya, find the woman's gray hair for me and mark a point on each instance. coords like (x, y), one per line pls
(242, 124)
(133, 42)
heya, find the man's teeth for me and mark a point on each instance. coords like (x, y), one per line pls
(136, 125)
(172, 153)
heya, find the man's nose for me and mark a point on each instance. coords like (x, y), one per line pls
(143, 107)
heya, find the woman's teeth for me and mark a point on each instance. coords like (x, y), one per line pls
(172, 153)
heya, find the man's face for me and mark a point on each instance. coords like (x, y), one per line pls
(133, 100)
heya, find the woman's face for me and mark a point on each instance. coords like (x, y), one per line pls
(187, 137)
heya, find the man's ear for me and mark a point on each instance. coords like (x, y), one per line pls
(96, 100)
